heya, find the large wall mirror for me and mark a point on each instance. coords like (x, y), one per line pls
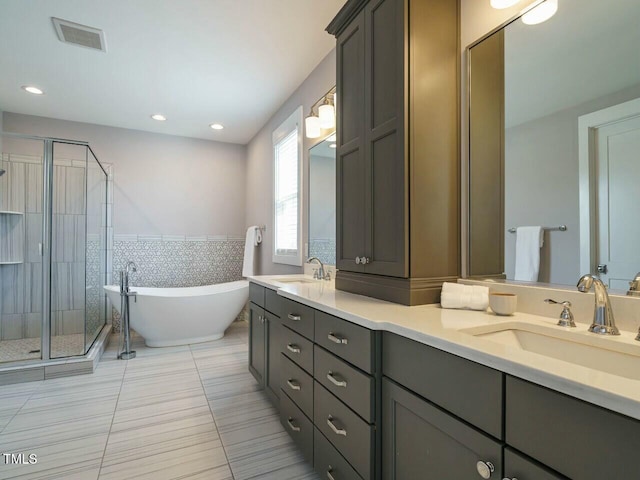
(322, 200)
(555, 142)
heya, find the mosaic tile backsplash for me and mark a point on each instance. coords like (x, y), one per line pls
(176, 261)
(324, 249)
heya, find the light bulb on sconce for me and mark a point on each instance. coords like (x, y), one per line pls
(327, 114)
(541, 13)
(312, 126)
(500, 4)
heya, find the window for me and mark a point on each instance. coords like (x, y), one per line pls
(287, 189)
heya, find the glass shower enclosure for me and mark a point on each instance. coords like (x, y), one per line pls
(53, 249)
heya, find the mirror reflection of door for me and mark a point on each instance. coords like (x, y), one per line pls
(582, 61)
(322, 201)
(617, 167)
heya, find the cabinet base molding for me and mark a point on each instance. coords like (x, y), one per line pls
(406, 291)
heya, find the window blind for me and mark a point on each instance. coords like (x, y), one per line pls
(286, 195)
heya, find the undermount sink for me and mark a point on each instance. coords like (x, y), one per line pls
(608, 355)
(295, 280)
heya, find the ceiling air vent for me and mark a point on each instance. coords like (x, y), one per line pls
(81, 35)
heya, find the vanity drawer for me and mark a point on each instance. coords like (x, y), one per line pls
(349, 384)
(521, 468)
(297, 384)
(273, 302)
(298, 317)
(256, 294)
(347, 340)
(297, 348)
(349, 434)
(328, 461)
(297, 425)
(467, 389)
(548, 425)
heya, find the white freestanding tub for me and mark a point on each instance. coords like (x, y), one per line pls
(179, 316)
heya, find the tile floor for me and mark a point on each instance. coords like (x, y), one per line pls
(29, 348)
(190, 412)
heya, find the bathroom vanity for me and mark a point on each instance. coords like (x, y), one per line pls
(373, 390)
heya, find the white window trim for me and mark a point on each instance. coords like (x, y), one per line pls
(295, 120)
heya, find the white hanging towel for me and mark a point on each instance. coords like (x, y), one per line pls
(529, 240)
(250, 244)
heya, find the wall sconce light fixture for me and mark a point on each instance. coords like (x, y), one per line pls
(541, 13)
(325, 117)
(500, 4)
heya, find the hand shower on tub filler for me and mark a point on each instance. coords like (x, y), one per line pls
(124, 351)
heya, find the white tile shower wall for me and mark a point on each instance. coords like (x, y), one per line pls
(166, 261)
(73, 251)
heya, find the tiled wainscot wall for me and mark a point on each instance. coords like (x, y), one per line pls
(166, 261)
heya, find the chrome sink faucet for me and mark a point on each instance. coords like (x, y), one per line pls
(603, 321)
(634, 287)
(321, 273)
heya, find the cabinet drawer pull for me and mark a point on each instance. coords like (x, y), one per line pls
(292, 426)
(335, 339)
(293, 348)
(485, 469)
(337, 383)
(261, 318)
(507, 478)
(294, 316)
(336, 430)
(329, 476)
(293, 385)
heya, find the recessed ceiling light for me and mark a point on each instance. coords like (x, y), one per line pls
(216, 126)
(159, 117)
(32, 89)
(333, 145)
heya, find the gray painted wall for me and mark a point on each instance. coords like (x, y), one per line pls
(163, 185)
(259, 186)
(541, 185)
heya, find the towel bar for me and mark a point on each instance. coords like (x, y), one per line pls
(561, 228)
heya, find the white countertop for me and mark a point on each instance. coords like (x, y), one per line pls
(439, 328)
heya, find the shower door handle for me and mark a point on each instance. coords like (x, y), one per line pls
(40, 249)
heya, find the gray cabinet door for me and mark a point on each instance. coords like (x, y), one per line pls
(518, 467)
(273, 329)
(257, 342)
(421, 441)
(386, 160)
(350, 175)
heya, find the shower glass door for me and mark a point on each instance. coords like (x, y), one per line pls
(21, 241)
(68, 250)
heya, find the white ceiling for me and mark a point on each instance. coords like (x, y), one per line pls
(587, 50)
(195, 61)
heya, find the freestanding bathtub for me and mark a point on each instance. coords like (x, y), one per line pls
(179, 316)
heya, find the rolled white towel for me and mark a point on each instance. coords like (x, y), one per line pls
(458, 296)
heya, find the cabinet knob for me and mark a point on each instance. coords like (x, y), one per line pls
(485, 469)
(357, 260)
(366, 260)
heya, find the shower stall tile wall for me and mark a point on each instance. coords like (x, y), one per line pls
(79, 265)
